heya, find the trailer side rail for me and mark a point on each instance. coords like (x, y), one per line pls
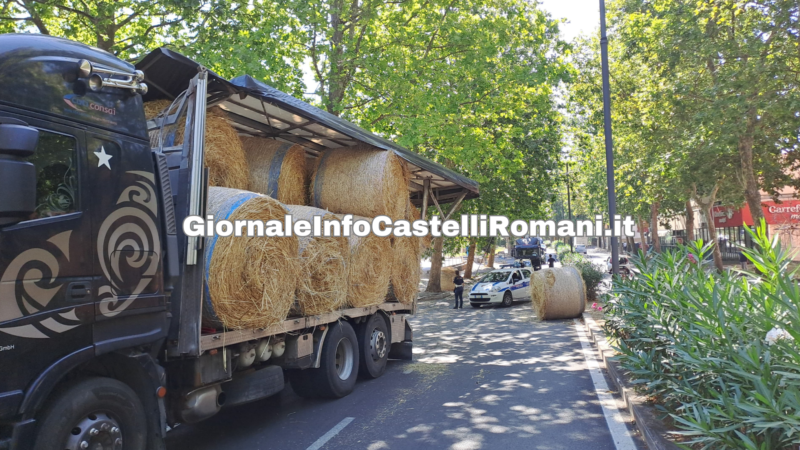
(224, 339)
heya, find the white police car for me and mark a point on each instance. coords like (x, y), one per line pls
(501, 287)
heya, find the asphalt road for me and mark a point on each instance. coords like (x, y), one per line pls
(481, 379)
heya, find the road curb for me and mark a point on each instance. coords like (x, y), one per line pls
(645, 416)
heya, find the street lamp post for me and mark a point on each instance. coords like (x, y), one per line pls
(612, 198)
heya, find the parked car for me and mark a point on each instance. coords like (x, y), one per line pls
(580, 248)
(501, 287)
(625, 266)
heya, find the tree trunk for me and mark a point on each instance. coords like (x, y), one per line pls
(689, 222)
(490, 263)
(712, 233)
(751, 191)
(470, 258)
(631, 245)
(643, 243)
(435, 278)
(336, 79)
(654, 226)
(707, 207)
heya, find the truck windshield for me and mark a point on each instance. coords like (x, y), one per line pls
(494, 277)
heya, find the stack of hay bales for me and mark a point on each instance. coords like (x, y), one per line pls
(446, 283)
(250, 281)
(276, 169)
(404, 285)
(558, 293)
(224, 155)
(360, 180)
(369, 268)
(322, 287)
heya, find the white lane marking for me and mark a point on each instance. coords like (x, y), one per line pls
(616, 425)
(330, 434)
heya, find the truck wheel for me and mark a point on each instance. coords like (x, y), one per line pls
(338, 367)
(373, 341)
(95, 413)
(302, 382)
(507, 299)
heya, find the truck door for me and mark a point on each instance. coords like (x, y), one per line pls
(127, 240)
(46, 263)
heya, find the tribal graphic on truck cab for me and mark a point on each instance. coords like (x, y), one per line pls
(129, 235)
(129, 251)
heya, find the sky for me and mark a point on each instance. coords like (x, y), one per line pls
(583, 16)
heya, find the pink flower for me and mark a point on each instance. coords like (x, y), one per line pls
(594, 305)
(599, 308)
(692, 259)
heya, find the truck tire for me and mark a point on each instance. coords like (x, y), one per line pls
(302, 382)
(103, 413)
(373, 343)
(338, 366)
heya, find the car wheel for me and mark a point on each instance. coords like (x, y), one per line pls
(507, 299)
(93, 413)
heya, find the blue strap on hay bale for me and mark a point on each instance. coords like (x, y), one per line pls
(229, 206)
(275, 170)
(319, 180)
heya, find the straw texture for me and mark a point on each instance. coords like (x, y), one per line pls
(369, 268)
(322, 287)
(277, 169)
(558, 293)
(224, 155)
(448, 274)
(405, 270)
(251, 281)
(360, 180)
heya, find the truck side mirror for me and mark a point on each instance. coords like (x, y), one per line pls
(17, 176)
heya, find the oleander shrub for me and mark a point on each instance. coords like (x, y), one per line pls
(717, 352)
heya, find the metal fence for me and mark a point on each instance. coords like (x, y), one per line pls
(729, 238)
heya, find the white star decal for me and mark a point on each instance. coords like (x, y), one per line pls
(103, 158)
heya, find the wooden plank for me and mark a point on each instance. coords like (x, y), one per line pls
(229, 338)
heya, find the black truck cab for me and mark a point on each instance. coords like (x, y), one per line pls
(80, 260)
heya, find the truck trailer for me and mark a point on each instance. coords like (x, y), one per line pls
(102, 343)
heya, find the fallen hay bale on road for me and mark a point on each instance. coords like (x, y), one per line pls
(362, 181)
(277, 169)
(448, 274)
(369, 268)
(251, 281)
(224, 155)
(558, 293)
(322, 286)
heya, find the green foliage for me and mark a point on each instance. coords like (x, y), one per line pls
(592, 277)
(698, 342)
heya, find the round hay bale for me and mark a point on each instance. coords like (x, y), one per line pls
(405, 270)
(361, 180)
(446, 283)
(250, 281)
(322, 287)
(369, 268)
(558, 293)
(276, 169)
(224, 155)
